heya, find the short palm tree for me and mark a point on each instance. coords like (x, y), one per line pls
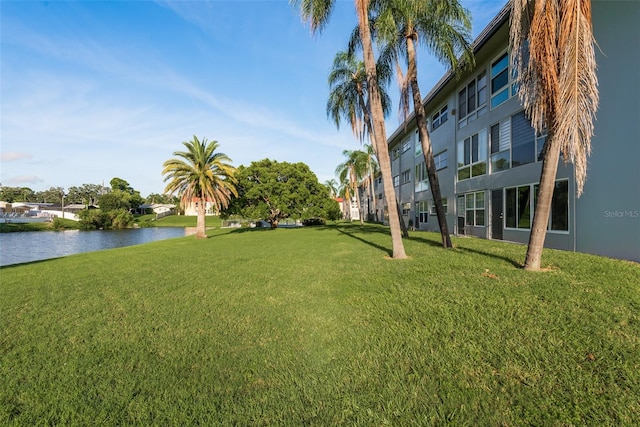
(444, 27)
(352, 170)
(200, 175)
(553, 53)
(332, 186)
(317, 13)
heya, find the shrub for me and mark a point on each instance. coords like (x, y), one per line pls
(313, 221)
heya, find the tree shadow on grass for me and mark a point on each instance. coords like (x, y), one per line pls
(492, 255)
(366, 229)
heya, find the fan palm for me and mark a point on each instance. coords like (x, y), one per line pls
(200, 175)
(444, 27)
(317, 13)
(553, 54)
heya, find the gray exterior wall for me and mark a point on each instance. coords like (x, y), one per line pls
(606, 219)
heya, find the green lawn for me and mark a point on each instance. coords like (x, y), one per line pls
(316, 326)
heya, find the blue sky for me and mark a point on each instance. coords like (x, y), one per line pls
(92, 90)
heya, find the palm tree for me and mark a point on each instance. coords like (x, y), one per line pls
(317, 13)
(372, 171)
(553, 54)
(352, 171)
(344, 191)
(348, 98)
(332, 185)
(444, 27)
(200, 174)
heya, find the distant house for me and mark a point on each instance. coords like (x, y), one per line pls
(191, 209)
(157, 208)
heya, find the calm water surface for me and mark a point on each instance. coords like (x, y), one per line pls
(29, 246)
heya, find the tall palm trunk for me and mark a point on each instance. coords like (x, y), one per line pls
(543, 205)
(434, 183)
(379, 131)
(354, 184)
(200, 224)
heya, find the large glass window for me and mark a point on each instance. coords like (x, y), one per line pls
(514, 143)
(472, 99)
(474, 209)
(472, 156)
(406, 145)
(421, 178)
(520, 205)
(500, 135)
(422, 209)
(405, 176)
(440, 160)
(523, 140)
(417, 144)
(500, 80)
(445, 204)
(439, 118)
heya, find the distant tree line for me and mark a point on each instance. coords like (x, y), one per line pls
(106, 207)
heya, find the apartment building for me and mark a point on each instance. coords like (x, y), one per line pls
(488, 156)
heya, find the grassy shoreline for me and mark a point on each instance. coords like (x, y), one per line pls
(315, 326)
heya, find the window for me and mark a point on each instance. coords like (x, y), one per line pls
(396, 180)
(514, 143)
(472, 100)
(523, 141)
(444, 206)
(439, 118)
(422, 209)
(500, 135)
(500, 79)
(474, 208)
(406, 208)
(440, 160)
(406, 176)
(520, 205)
(380, 196)
(422, 179)
(418, 143)
(472, 156)
(395, 153)
(406, 145)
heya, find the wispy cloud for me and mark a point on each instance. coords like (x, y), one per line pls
(12, 156)
(24, 180)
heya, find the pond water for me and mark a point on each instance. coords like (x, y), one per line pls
(19, 247)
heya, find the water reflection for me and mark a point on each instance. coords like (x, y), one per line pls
(22, 247)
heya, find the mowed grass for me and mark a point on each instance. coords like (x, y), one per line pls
(316, 326)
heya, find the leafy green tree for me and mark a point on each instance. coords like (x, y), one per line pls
(121, 218)
(120, 184)
(52, 195)
(553, 53)
(115, 200)
(317, 13)
(93, 219)
(444, 27)
(86, 194)
(200, 173)
(17, 194)
(273, 191)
